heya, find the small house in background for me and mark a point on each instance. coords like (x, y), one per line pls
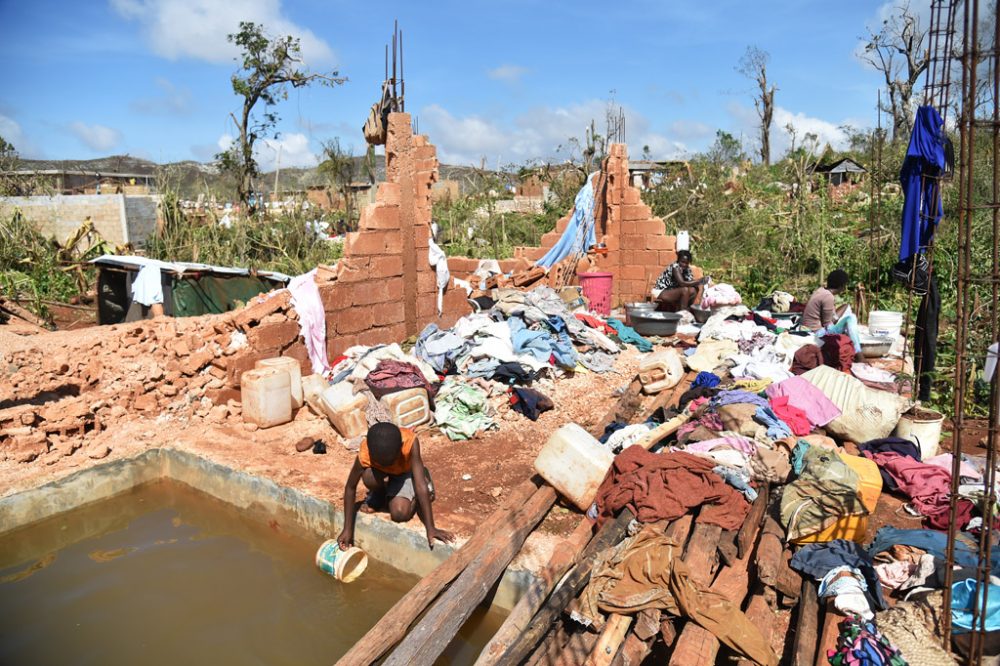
(646, 174)
(837, 173)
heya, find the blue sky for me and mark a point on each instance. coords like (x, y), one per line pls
(507, 81)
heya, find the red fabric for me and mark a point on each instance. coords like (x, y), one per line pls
(665, 486)
(838, 351)
(806, 358)
(594, 322)
(795, 418)
(926, 485)
(390, 376)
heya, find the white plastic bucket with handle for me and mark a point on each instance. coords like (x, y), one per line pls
(344, 565)
(923, 429)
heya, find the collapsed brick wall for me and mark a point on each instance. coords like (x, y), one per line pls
(638, 246)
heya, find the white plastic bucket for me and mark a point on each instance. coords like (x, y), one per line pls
(924, 430)
(344, 565)
(885, 323)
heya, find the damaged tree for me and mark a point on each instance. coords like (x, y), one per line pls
(899, 53)
(753, 65)
(268, 66)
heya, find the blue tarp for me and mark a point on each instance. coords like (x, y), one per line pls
(579, 234)
(922, 208)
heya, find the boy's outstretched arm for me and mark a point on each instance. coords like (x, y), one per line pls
(424, 501)
(346, 538)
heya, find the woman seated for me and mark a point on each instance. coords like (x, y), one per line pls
(823, 317)
(676, 289)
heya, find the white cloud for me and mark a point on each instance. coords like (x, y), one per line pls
(98, 138)
(539, 133)
(690, 129)
(508, 73)
(171, 100)
(748, 123)
(294, 151)
(10, 130)
(198, 28)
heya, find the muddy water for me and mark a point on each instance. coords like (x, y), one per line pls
(166, 575)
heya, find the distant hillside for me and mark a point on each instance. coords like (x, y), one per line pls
(190, 178)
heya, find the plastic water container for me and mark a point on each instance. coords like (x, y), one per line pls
(294, 370)
(312, 387)
(660, 371)
(409, 408)
(574, 463)
(266, 396)
(885, 323)
(345, 410)
(923, 429)
(344, 565)
(597, 290)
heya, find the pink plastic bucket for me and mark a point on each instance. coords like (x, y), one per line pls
(597, 289)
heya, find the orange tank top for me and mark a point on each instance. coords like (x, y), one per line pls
(402, 464)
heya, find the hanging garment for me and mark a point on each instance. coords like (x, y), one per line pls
(147, 289)
(923, 165)
(529, 402)
(646, 571)
(312, 318)
(665, 486)
(439, 262)
(925, 355)
(579, 234)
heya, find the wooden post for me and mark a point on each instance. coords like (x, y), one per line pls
(575, 581)
(610, 640)
(432, 634)
(394, 624)
(751, 526)
(830, 632)
(760, 612)
(804, 649)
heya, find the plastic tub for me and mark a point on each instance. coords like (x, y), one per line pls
(408, 408)
(923, 428)
(266, 397)
(574, 463)
(344, 565)
(660, 324)
(294, 370)
(597, 289)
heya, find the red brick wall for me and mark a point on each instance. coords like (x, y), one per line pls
(638, 246)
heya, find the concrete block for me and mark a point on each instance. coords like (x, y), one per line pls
(355, 320)
(389, 313)
(634, 242)
(366, 294)
(661, 242)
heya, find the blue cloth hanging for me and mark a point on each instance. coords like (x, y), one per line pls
(923, 164)
(579, 234)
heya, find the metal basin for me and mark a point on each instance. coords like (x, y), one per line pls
(701, 315)
(660, 324)
(641, 306)
(875, 347)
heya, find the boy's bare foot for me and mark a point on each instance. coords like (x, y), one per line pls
(373, 503)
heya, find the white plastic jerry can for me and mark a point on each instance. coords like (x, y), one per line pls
(575, 464)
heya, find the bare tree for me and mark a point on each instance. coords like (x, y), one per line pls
(753, 65)
(899, 52)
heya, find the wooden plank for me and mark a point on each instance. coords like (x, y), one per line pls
(549, 649)
(610, 640)
(436, 629)
(728, 550)
(670, 397)
(807, 626)
(395, 623)
(563, 557)
(829, 633)
(702, 553)
(578, 577)
(639, 641)
(751, 525)
(772, 562)
(662, 431)
(577, 649)
(760, 612)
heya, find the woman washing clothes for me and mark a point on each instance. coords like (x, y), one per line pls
(676, 289)
(822, 316)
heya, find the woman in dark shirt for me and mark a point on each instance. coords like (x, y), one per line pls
(677, 285)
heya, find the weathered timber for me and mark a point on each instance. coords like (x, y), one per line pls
(549, 649)
(609, 535)
(829, 633)
(670, 397)
(728, 550)
(394, 624)
(432, 634)
(806, 627)
(610, 640)
(760, 611)
(563, 557)
(751, 525)
(701, 554)
(772, 563)
(662, 431)
(577, 649)
(639, 641)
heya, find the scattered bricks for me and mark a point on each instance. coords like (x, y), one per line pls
(386, 314)
(368, 293)
(274, 336)
(388, 193)
(218, 414)
(385, 267)
(145, 403)
(355, 320)
(179, 348)
(196, 361)
(168, 390)
(661, 242)
(465, 264)
(98, 451)
(654, 226)
(242, 362)
(260, 309)
(222, 396)
(25, 448)
(217, 372)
